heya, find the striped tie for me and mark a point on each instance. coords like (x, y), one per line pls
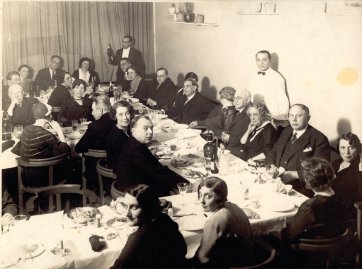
(294, 138)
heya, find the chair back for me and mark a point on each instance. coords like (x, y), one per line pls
(36, 163)
(358, 206)
(60, 191)
(264, 250)
(102, 172)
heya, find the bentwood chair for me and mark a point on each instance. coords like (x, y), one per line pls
(328, 246)
(91, 153)
(358, 206)
(103, 172)
(61, 191)
(50, 163)
(55, 112)
(265, 256)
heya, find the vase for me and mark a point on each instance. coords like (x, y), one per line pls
(199, 18)
(171, 10)
(189, 17)
(179, 17)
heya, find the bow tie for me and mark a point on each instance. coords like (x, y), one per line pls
(261, 73)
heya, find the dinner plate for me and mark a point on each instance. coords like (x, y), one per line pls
(191, 223)
(182, 162)
(117, 222)
(82, 214)
(282, 206)
(161, 116)
(32, 250)
(74, 135)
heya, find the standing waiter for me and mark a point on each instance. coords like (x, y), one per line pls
(127, 51)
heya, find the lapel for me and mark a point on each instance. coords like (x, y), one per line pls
(302, 142)
(238, 117)
(283, 142)
(190, 103)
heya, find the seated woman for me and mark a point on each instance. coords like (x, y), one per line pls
(260, 136)
(123, 113)
(86, 73)
(38, 141)
(220, 118)
(227, 240)
(157, 243)
(77, 107)
(61, 93)
(348, 169)
(138, 85)
(320, 209)
(25, 81)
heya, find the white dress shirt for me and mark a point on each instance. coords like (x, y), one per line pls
(125, 52)
(270, 90)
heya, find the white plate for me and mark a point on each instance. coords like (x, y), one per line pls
(134, 100)
(32, 250)
(282, 206)
(117, 222)
(192, 223)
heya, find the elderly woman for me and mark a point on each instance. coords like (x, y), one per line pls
(25, 81)
(322, 208)
(123, 113)
(260, 136)
(348, 181)
(138, 85)
(227, 239)
(86, 73)
(157, 243)
(77, 107)
(61, 94)
(220, 118)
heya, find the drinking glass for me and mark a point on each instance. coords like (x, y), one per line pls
(208, 167)
(183, 187)
(18, 129)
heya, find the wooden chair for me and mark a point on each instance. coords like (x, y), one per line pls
(55, 112)
(93, 153)
(327, 245)
(268, 250)
(103, 171)
(32, 163)
(358, 206)
(58, 191)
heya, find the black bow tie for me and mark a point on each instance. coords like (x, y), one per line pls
(261, 73)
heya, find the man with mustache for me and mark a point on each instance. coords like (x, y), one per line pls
(137, 165)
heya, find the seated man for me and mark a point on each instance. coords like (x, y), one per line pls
(195, 106)
(18, 107)
(137, 165)
(240, 123)
(162, 95)
(121, 74)
(296, 143)
(96, 136)
(46, 77)
(13, 77)
(220, 118)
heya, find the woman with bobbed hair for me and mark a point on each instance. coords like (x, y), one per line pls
(25, 81)
(122, 112)
(62, 93)
(320, 209)
(86, 72)
(227, 239)
(77, 107)
(260, 136)
(220, 118)
(157, 243)
(138, 85)
(348, 181)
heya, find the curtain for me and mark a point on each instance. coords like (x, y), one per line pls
(34, 31)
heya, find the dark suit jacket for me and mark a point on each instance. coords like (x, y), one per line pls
(43, 79)
(136, 58)
(311, 138)
(92, 73)
(316, 210)
(59, 96)
(137, 165)
(348, 187)
(121, 80)
(164, 95)
(22, 115)
(198, 108)
(141, 92)
(96, 136)
(238, 128)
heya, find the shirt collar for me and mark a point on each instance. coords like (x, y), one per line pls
(300, 132)
(189, 98)
(127, 49)
(327, 193)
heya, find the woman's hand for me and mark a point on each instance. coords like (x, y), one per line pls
(252, 126)
(56, 127)
(192, 124)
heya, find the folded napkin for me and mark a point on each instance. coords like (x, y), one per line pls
(97, 242)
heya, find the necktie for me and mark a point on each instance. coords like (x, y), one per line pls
(53, 75)
(294, 138)
(261, 73)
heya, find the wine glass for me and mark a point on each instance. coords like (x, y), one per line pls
(182, 188)
(74, 124)
(208, 167)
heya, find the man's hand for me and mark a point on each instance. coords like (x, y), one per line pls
(193, 124)
(273, 171)
(151, 102)
(225, 137)
(289, 177)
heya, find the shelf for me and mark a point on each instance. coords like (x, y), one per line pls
(241, 13)
(211, 24)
